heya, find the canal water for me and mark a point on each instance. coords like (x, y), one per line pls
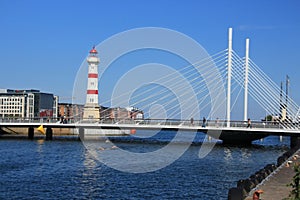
(65, 169)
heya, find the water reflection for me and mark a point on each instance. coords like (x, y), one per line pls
(90, 179)
(228, 154)
(40, 145)
(246, 153)
(89, 162)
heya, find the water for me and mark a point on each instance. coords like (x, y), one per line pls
(63, 169)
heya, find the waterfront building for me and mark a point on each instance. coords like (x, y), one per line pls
(121, 113)
(27, 104)
(91, 107)
(55, 106)
(75, 112)
(70, 111)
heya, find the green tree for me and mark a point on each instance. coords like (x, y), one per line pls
(268, 118)
(295, 193)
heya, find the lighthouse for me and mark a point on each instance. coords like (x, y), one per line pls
(91, 107)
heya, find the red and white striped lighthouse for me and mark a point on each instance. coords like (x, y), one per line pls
(91, 107)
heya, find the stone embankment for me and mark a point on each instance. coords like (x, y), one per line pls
(272, 179)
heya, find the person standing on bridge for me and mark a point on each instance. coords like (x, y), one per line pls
(249, 123)
(192, 121)
(204, 122)
(62, 119)
(217, 122)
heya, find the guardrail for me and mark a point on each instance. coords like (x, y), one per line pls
(164, 122)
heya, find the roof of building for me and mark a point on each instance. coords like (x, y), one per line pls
(14, 92)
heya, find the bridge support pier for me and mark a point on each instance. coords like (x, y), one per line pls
(81, 134)
(49, 134)
(294, 142)
(30, 133)
(236, 137)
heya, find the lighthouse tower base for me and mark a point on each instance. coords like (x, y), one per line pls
(91, 112)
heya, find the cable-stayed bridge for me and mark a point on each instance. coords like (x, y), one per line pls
(200, 97)
(211, 88)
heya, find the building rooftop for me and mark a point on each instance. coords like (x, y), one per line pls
(11, 91)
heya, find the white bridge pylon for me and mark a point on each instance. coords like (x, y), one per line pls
(236, 75)
(261, 88)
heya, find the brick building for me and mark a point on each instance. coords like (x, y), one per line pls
(121, 113)
(70, 110)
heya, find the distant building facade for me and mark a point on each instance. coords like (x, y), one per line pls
(76, 111)
(121, 113)
(70, 110)
(27, 104)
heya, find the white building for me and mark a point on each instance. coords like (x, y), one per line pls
(27, 104)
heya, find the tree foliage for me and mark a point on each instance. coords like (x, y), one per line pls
(295, 193)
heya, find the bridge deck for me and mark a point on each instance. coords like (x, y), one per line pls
(229, 135)
(207, 129)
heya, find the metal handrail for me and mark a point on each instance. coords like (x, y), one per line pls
(179, 122)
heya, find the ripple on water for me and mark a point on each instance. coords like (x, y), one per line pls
(66, 170)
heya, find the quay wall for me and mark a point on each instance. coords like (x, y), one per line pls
(245, 186)
(24, 131)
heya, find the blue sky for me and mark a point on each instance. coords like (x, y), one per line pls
(43, 43)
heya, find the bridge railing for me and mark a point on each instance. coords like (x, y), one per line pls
(163, 122)
(37, 120)
(208, 123)
(27, 120)
(176, 122)
(256, 124)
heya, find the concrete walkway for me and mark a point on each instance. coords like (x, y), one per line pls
(275, 186)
